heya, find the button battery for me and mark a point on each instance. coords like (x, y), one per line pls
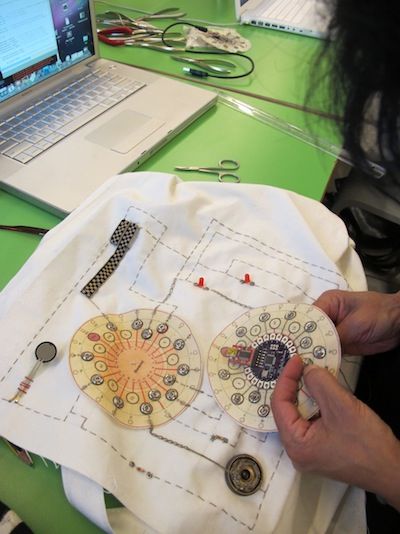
(243, 474)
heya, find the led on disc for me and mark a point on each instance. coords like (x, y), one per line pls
(247, 357)
(142, 367)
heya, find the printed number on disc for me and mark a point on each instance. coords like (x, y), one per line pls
(247, 357)
(142, 367)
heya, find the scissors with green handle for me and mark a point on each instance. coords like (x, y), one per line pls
(223, 170)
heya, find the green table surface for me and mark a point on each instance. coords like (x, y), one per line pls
(266, 156)
(282, 60)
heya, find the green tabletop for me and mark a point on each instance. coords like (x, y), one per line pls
(266, 156)
(36, 494)
(278, 86)
(283, 60)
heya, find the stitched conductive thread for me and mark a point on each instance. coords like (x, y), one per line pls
(185, 447)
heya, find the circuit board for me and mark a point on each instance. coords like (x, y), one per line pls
(142, 367)
(247, 357)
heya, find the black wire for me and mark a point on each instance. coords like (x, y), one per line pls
(218, 52)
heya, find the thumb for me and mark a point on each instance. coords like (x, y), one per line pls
(325, 389)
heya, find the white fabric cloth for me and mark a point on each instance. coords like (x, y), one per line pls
(294, 249)
(86, 496)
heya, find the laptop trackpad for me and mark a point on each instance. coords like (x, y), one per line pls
(124, 131)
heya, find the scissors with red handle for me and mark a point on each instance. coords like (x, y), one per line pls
(120, 35)
(146, 38)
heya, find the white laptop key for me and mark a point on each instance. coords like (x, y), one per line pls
(69, 120)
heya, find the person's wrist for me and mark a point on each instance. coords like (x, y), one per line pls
(396, 309)
(389, 477)
(396, 298)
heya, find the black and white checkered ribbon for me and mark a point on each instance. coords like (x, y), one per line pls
(122, 238)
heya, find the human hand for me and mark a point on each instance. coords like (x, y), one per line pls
(347, 442)
(367, 322)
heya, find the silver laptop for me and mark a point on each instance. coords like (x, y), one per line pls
(305, 17)
(69, 120)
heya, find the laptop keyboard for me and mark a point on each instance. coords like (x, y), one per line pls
(28, 133)
(289, 10)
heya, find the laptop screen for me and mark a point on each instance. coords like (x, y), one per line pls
(39, 38)
(243, 5)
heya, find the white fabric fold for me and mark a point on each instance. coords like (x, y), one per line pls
(87, 497)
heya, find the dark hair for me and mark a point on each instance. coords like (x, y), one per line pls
(364, 58)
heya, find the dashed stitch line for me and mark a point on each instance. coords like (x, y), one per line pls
(256, 284)
(150, 215)
(147, 257)
(230, 516)
(176, 278)
(301, 260)
(74, 404)
(204, 413)
(157, 302)
(192, 253)
(212, 237)
(274, 471)
(188, 449)
(33, 410)
(157, 240)
(255, 437)
(241, 431)
(264, 253)
(244, 431)
(267, 488)
(215, 221)
(57, 308)
(256, 267)
(199, 391)
(171, 442)
(161, 243)
(211, 223)
(192, 428)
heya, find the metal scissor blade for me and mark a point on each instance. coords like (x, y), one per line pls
(167, 13)
(183, 168)
(113, 18)
(25, 229)
(154, 46)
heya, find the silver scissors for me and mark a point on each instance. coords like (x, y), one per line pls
(223, 170)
